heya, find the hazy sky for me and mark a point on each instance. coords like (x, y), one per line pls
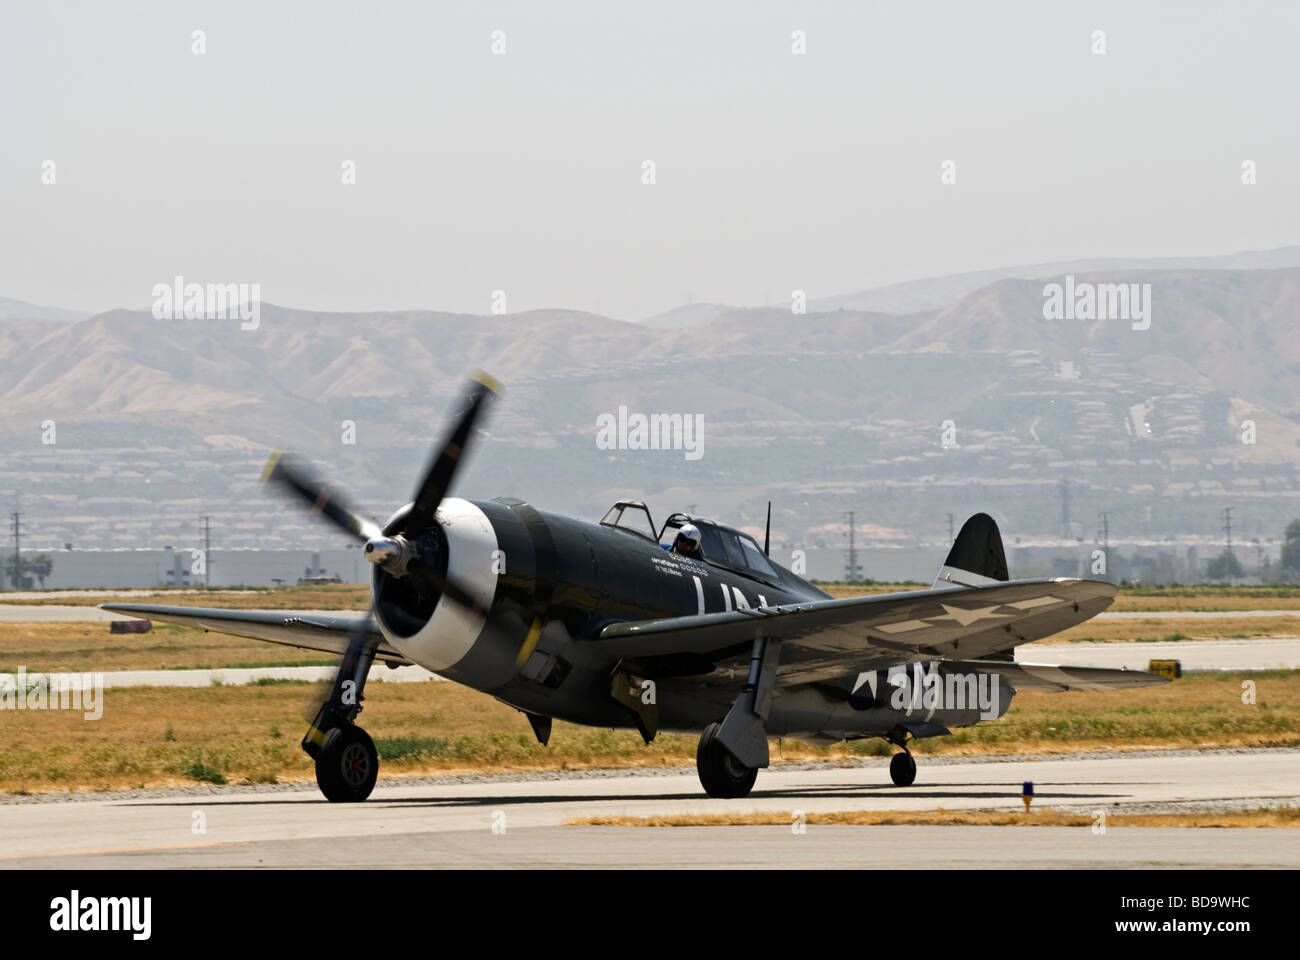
(522, 172)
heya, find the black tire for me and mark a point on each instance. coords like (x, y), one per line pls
(721, 774)
(902, 769)
(347, 765)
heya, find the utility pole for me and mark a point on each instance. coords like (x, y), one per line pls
(207, 550)
(1227, 527)
(1103, 531)
(950, 537)
(1065, 508)
(15, 524)
(851, 569)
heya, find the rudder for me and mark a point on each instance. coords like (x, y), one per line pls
(976, 559)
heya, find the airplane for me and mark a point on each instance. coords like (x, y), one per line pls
(610, 624)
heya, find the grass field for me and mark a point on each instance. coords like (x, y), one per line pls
(51, 647)
(336, 596)
(154, 736)
(1172, 628)
(75, 647)
(1204, 597)
(69, 647)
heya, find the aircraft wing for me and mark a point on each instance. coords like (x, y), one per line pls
(1055, 676)
(309, 631)
(824, 639)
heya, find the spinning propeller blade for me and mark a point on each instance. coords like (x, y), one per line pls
(442, 467)
(294, 478)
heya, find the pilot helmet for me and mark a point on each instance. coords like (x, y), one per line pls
(691, 533)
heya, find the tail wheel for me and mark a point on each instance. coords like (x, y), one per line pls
(347, 765)
(902, 769)
(721, 774)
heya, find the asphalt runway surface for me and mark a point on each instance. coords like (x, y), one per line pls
(519, 822)
(1254, 653)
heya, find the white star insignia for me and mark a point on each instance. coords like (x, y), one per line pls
(966, 616)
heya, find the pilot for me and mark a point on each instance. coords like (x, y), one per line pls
(688, 541)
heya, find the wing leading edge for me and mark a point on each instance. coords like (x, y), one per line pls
(311, 632)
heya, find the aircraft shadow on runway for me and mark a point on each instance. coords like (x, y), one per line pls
(858, 791)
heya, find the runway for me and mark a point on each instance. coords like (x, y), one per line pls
(1255, 653)
(450, 823)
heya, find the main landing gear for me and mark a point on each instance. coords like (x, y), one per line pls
(721, 774)
(734, 749)
(902, 768)
(347, 763)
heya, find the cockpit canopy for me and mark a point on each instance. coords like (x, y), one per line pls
(719, 544)
(631, 515)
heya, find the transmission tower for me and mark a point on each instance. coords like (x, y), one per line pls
(851, 569)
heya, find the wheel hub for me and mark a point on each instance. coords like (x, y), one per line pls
(355, 766)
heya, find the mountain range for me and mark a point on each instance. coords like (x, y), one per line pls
(842, 405)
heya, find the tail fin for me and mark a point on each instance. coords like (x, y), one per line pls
(976, 559)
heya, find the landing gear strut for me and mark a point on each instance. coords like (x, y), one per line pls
(347, 763)
(721, 774)
(734, 749)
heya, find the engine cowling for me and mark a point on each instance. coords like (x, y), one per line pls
(415, 618)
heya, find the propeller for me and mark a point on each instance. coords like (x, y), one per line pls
(410, 549)
(442, 467)
(290, 474)
(398, 552)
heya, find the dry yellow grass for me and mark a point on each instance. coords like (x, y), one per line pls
(62, 647)
(44, 646)
(335, 596)
(1205, 601)
(1173, 628)
(156, 736)
(1142, 600)
(75, 647)
(1044, 817)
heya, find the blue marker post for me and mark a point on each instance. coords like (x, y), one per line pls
(1028, 794)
